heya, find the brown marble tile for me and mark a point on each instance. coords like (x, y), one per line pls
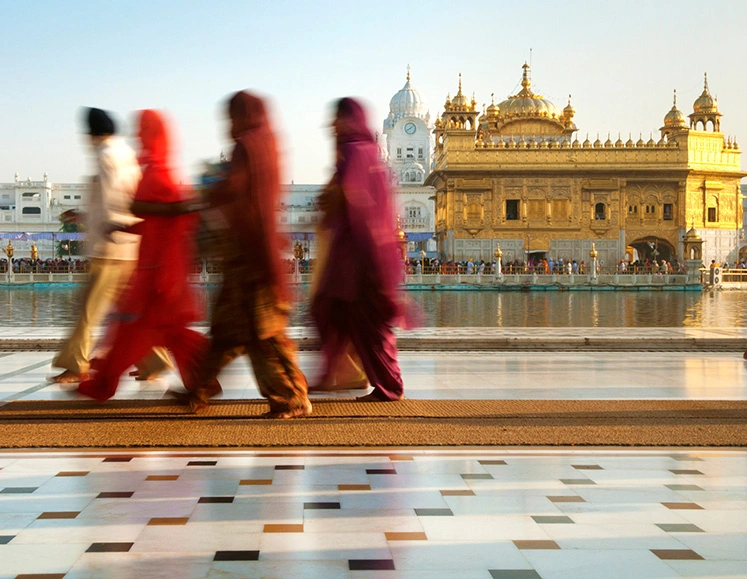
(353, 487)
(401, 457)
(676, 554)
(164, 521)
(289, 467)
(59, 515)
(163, 477)
(202, 463)
(566, 499)
(255, 481)
(577, 481)
(406, 536)
(380, 471)
(41, 576)
(684, 487)
(280, 528)
(492, 462)
(683, 506)
(118, 459)
(72, 473)
(587, 467)
(216, 500)
(532, 545)
(685, 471)
(457, 493)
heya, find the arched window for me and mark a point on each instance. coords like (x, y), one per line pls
(600, 212)
(31, 211)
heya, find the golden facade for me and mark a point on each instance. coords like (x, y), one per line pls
(515, 175)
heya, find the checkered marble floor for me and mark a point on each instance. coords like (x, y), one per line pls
(404, 514)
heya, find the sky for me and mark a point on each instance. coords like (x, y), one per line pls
(620, 61)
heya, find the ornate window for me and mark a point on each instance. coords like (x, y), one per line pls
(512, 209)
(600, 212)
(668, 211)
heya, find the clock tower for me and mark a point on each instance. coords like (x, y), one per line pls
(409, 139)
(408, 135)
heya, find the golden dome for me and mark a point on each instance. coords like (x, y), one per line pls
(692, 234)
(527, 104)
(705, 103)
(674, 118)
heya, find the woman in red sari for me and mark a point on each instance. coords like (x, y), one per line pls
(357, 300)
(159, 304)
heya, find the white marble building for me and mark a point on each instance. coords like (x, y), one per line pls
(29, 206)
(409, 151)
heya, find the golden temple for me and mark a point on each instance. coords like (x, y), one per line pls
(516, 175)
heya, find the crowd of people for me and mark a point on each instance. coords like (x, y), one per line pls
(142, 230)
(56, 265)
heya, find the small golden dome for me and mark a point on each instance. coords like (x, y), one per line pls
(492, 109)
(674, 118)
(691, 234)
(705, 103)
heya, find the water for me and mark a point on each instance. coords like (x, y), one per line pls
(57, 305)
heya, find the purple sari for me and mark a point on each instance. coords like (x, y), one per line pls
(356, 300)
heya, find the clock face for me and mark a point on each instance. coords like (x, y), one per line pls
(410, 128)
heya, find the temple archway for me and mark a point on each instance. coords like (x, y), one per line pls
(653, 248)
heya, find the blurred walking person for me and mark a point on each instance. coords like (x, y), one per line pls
(159, 304)
(356, 300)
(251, 311)
(112, 256)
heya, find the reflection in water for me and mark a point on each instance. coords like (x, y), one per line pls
(57, 305)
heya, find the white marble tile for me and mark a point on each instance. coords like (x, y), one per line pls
(320, 546)
(610, 564)
(361, 521)
(200, 537)
(456, 555)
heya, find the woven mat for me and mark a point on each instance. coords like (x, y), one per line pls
(347, 423)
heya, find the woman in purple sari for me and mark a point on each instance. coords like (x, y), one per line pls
(357, 297)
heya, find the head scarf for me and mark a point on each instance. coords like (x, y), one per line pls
(154, 138)
(364, 246)
(252, 214)
(355, 121)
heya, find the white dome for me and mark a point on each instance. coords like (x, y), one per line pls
(406, 103)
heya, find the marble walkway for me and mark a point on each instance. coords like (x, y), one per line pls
(400, 513)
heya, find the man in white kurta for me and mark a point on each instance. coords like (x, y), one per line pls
(113, 256)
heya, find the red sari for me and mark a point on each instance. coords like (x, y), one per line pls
(159, 304)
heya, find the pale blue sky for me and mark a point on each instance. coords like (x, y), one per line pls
(619, 60)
